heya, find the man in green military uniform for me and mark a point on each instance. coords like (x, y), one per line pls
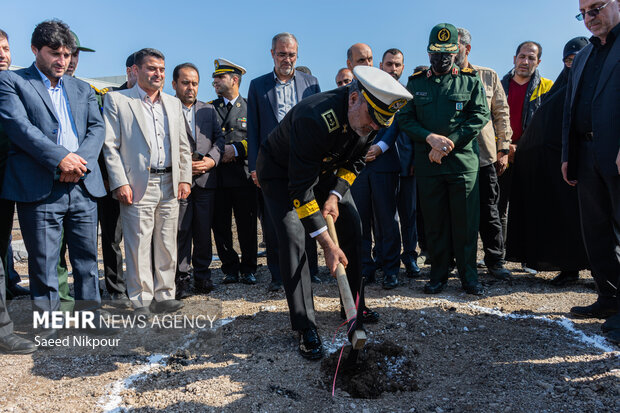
(449, 111)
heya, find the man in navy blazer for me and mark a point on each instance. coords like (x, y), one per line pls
(591, 153)
(56, 133)
(270, 97)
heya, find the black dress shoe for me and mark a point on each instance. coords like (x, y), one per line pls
(14, 344)
(315, 279)
(204, 286)
(370, 316)
(47, 334)
(310, 346)
(248, 278)
(390, 281)
(596, 310)
(230, 278)
(565, 278)
(120, 300)
(613, 336)
(145, 311)
(434, 288)
(274, 286)
(499, 272)
(17, 290)
(166, 306)
(612, 323)
(183, 288)
(474, 289)
(412, 269)
(367, 315)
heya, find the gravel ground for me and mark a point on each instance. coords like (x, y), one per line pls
(514, 350)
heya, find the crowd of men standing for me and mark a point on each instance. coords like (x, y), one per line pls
(163, 173)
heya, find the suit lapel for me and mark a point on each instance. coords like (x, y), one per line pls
(300, 87)
(136, 106)
(579, 70)
(39, 86)
(271, 95)
(72, 97)
(608, 66)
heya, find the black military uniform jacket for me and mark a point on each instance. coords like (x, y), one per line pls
(314, 145)
(235, 130)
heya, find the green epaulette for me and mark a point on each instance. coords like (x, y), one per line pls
(416, 74)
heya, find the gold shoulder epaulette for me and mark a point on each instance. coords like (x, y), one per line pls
(469, 71)
(96, 90)
(104, 91)
(417, 73)
(210, 102)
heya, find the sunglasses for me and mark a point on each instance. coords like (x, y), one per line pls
(592, 13)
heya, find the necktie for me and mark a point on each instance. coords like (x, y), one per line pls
(229, 106)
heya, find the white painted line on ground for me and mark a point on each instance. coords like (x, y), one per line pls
(112, 403)
(595, 340)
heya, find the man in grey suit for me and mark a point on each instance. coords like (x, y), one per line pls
(148, 157)
(196, 212)
(270, 97)
(56, 133)
(591, 154)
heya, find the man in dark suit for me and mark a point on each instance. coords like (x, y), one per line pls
(196, 212)
(591, 153)
(235, 189)
(9, 342)
(270, 97)
(7, 207)
(56, 133)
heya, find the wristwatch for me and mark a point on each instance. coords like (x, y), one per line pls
(504, 151)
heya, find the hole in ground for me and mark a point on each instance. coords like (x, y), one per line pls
(381, 367)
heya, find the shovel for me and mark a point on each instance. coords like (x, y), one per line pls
(359, 336)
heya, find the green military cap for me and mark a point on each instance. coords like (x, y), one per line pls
(78, 45)
(384, 95)
(223, 66)
(443, 39)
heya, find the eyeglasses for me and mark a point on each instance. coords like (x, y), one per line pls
(593, 12)
(283, 55)
(343, 82)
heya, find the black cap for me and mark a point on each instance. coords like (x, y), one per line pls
(575, 45)
(130, 60)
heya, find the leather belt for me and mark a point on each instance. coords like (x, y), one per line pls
(588, 136)
(160, 171)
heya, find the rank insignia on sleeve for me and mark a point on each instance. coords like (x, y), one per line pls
(459, 105)
(330, 120)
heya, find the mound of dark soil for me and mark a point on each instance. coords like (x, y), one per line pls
(381, 367)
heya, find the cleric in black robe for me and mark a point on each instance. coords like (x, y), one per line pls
(543, 220)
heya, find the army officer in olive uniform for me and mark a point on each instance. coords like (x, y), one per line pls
(305, 169)
(235, 189)
(449, 111)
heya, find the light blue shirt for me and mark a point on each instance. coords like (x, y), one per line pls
(67, 135)
(286, 96)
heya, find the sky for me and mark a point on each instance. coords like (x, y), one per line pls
(199, 31)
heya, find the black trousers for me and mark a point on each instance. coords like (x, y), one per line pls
(374, 194)
(505, 183)
(407, 212)
(599, 208)
(111, 236)
(293, 257)
(7, 211)
(241, 201)
(195, 221)
(6, 325)
(490, 223)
